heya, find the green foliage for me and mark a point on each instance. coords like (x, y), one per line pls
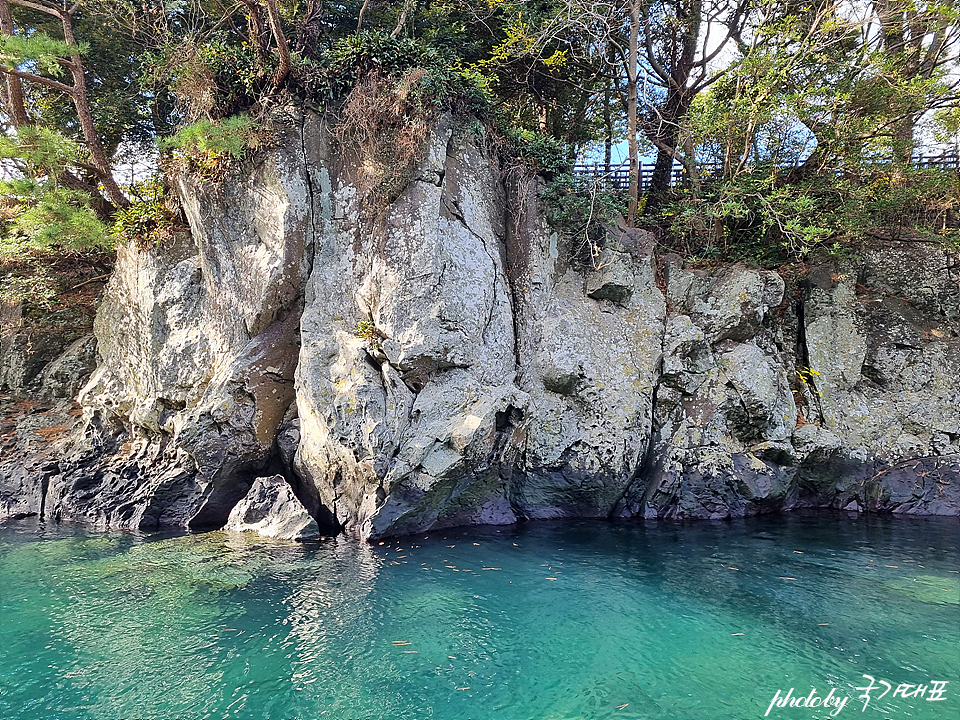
(947, 126)
(582, 210)
(366, 330)
(444, 83)
(51, 216)
(802, 83)
(39, 151)
(150, 218)
(544, 155)
(763, 219)
(548, 65)
(388, 93)
(38, 48)
(574, 203)
(39, 213)
(211, 79)
(208, 147)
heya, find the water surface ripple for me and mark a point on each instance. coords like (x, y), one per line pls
(571, 620)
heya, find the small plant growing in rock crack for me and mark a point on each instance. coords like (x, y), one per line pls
(366, 330)
(806, 376)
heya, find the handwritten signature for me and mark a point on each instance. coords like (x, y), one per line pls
(931, 692)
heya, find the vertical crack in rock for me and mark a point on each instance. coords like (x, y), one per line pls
(311, 209)
(455, 212)
(514, 259)
(803, 354)
(44, 489)
(643, 470)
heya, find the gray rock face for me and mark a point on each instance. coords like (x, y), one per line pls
(883, 340)
(23, 356)
(272, 510)
(67, 373)
(198, 342)
(402, 426)
(840, 392)
(443, 357)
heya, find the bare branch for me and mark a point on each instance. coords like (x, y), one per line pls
(41, 80)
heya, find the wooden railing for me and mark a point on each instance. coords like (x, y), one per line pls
(618, 176)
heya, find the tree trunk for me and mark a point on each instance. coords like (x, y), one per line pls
(363, 11)
(607, 127)
(666, 137)
(13, 95)
(632, 66)
(283, 49)
(902, 142)
(408, 5)
(663, 167)
(85, 116)
(902, 35)
(664, 128)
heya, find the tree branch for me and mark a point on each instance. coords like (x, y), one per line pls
(49, 9)
(40, 79)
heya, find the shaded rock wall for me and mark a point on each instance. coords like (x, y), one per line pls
(442, 358)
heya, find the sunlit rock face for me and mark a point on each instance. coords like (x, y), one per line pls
(439, 355)
(271, 510)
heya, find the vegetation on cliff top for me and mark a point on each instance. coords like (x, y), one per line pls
(793, 124)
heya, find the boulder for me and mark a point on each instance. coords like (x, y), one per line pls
(272, 510)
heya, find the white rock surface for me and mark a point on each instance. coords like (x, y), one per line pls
(272, 510)
(444, 357)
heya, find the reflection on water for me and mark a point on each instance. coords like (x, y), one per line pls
(542, 620)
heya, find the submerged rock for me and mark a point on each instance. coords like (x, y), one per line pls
(272, 510)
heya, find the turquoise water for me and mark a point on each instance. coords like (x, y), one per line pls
(574, 620)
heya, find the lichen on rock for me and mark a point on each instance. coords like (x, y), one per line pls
(443, 359)
(272, 510)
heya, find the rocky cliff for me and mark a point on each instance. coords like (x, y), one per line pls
(443, 358)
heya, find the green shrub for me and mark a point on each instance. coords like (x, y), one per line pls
(213, 79)
(366, 330)
(207, 147)
(543, 154)
(42, 216)
(150, 218)
(341, 67)
(759, 217)
(572, 202)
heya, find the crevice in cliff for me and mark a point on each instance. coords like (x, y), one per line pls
(644, 468)
(44, 489)
(803, 355)
(493, 307)
(454, 210)
(516, 258)
(311, 200)
(642, 471)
